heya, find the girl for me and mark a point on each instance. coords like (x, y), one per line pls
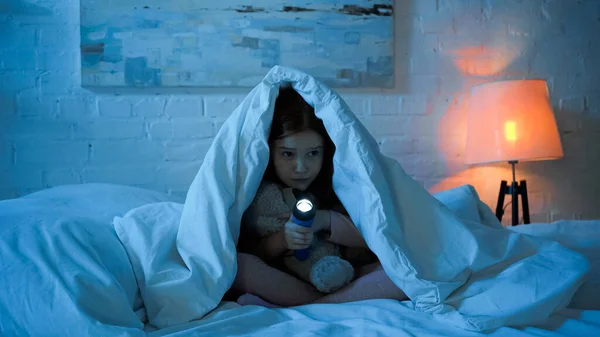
(302, 158)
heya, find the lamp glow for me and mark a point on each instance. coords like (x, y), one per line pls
(510, 131)
(521, 110)
(511, 121)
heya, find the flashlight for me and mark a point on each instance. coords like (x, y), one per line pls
(303, 215)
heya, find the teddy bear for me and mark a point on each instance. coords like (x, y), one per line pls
(325, 268)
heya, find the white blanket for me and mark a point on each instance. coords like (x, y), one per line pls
(465, 274)
(365, 318)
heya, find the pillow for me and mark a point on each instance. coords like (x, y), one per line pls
(488, 217)
(461, 200)
(465, 203)
(60, 253)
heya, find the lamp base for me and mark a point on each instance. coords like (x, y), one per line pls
(515, 189)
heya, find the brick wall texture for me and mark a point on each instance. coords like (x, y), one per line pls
(54, 132)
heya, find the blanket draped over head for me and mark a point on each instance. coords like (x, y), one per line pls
(470, 275)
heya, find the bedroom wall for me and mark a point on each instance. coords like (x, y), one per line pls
(54, 132)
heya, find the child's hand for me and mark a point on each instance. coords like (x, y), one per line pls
(322, 221)
(297, 237)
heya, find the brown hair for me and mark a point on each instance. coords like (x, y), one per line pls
(292, 115)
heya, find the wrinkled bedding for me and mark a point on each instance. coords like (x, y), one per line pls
(65, 273)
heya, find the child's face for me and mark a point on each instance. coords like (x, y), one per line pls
(298, 158)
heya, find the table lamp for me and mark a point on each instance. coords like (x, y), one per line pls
(511, 121)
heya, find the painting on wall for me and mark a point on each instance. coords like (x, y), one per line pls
(234, 43)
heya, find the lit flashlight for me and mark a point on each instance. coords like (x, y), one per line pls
(303, 215)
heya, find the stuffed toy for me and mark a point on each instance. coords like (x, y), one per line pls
(324, 268)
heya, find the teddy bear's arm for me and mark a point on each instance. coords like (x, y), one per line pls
(266, 225)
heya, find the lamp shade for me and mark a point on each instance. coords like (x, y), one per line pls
(511, 121)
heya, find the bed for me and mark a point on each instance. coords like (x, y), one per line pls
(64, 272)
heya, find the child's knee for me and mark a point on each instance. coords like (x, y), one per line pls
(368, 269)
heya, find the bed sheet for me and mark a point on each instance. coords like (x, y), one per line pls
(367, 318)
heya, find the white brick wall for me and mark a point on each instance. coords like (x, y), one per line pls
(54, 132)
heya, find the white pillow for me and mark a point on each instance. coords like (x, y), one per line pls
(465, 203)
(64, 271)
(461, 200)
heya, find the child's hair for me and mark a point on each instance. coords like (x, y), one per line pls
(292, 115)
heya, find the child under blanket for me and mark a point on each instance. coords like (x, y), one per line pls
(302, 158)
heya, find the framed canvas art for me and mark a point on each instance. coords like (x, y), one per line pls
(234, 43)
